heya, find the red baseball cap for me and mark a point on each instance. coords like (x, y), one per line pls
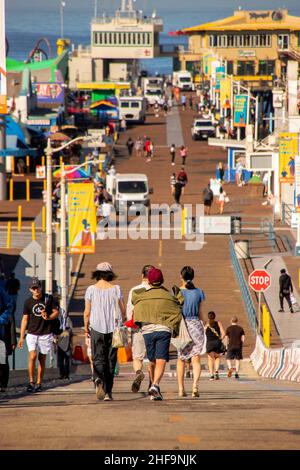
(155, 277)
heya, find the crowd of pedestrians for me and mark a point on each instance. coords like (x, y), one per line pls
(154, 315)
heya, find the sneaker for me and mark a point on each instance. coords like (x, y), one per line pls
(108, 397)
(281, 310)
(154, 390)
(61, 377)
(38, 388)
(137, 381)
(100, 393)
(212, 377)
(229, 373)
(217, 376)
(30, 387)
(236, 375)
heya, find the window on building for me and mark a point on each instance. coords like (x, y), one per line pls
(266, 67)
(246, 67)
(230, 67)
(148, 41)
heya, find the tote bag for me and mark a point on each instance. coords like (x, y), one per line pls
(119, 339)
(183, 339)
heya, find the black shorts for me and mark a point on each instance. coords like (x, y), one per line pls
(234, 354)
(207, 202)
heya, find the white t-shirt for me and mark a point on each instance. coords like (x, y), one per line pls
(104, 307)
(129, 307)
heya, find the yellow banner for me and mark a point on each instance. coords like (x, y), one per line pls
(225, 93)
(288, 149)
(82, 218)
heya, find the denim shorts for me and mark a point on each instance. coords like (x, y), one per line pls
(157, 345)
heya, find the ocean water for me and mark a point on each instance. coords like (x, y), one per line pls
(28, 21)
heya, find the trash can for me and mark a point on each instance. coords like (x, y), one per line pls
(236, 225)
(241, 248)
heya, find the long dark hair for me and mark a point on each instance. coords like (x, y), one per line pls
(105, 275)
(211, 318)
(187, 274)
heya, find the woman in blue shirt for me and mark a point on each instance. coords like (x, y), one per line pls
(193, 298)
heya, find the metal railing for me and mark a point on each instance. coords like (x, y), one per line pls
(243, 287)
(286, 213)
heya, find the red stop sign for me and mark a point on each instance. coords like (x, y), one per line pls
(259, 280)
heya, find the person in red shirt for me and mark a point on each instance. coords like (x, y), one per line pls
(182, 178)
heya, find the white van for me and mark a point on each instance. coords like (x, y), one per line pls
(183, 80)
(152, 82)
(152, 95)
(133, 108)
(131, 191)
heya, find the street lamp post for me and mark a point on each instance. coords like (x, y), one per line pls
(62, 7)
(63, 240)
(49, 248)
(49, 254)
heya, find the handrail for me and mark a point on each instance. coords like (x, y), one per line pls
(286, 213)
(243, 287)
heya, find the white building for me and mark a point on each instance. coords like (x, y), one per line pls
(117, 43)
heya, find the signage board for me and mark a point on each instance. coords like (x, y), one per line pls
(259, 280)
(240, 110)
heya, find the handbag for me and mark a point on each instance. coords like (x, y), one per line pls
(183, 339)
(221, 346)
(119, 337)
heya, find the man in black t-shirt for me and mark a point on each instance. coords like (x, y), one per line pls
(235, 337)
(39, 337)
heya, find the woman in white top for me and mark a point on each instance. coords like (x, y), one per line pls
(222, 200)
(104, 311)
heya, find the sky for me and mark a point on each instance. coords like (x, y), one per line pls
(149, 5)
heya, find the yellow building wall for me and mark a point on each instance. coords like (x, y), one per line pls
(198, 42)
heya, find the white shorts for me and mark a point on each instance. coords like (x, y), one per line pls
(42, 344)
(138, 346)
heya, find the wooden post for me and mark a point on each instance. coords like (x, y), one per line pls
(44, 185)
(8, 236)
(27, 190)
(27, 164)
(43, 160)
(19, 218)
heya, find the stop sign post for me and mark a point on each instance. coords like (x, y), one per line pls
(259, 281)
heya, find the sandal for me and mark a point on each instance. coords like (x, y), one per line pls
(182, 393)
(195, 392)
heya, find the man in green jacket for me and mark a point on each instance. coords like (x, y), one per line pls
(158, 314)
